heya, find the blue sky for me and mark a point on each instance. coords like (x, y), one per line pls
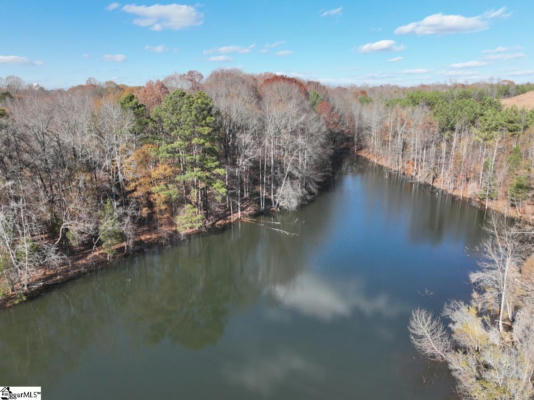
(63, 42)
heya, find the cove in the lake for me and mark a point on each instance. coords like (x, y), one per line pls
(312, 304)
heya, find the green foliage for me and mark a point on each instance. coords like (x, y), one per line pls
(364, 100)
(5, 263)
(131, 103)
(4, 96)
(72, 239)
(489, 190)
(28, 250)
(419, 97)
(315, 99)
(189, 141)
(109, 229)
(462, 111)
(515, 158)
(190, 219)
(3, 112)
(519, 189)
(504, 91)
(469, 108)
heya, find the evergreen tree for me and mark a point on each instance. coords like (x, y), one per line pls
(109, 229)
(188, 141)
(131, 103)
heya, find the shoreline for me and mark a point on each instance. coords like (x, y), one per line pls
(87, 261)
(492, 205)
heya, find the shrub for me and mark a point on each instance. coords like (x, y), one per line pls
(519, 189)
(190, 219)
(109, 229)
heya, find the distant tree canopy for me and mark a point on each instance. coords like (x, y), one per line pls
(469, 108)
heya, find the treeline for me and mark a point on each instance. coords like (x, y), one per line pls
(461, 140)
(88, 167)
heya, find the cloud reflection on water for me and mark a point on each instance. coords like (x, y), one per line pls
(314, 296)
(265, 375)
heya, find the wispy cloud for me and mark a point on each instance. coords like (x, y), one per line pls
(498, 49)
(416, 71)
(381, 45)
(18, 60)
(462, 75)
(230, 50)
(469, 64)
(118, 58)
(86, 55)
(273, 45)
(156, 49)
(468, 74)
(159, 17)
(283, 53)
(528, 72)
(220, 58)
(335, 11)
(395, 59)
(113, 6)
(500, 13)
(441, 24)
(503, 56)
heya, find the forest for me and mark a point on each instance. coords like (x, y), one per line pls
(95, 167)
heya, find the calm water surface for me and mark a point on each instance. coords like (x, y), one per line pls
(255, 313)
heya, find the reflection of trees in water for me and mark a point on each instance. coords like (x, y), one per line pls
(43, 339)
(432, 215)
(192, 293)
(185, 294)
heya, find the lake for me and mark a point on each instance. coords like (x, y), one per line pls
(312, 304)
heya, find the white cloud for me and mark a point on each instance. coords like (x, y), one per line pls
(113, 6)
(521, 73)
(469, 64)
(381, 45)
(221, 58)
(269, 46)
(156, 49)
(335, 11)
(503, 56)
(459, 73)
(230, 50)
(500, 13)
(395, 59)
(275, 44)
(159, 17)
(498, 49)
(416, 71)
(441, 24)
(118, 58)
(283, 53)
(17, 60)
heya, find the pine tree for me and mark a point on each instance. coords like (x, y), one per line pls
(188, 141)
